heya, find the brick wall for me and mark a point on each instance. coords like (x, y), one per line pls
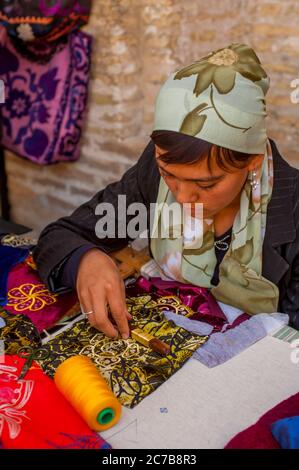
(137, 43)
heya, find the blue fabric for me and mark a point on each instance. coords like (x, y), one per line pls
(9, 257)
(286, 432)
(224, 346)
(194, 326)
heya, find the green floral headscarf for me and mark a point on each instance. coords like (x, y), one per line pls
(220, 99)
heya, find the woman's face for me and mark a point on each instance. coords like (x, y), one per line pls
(195, 183)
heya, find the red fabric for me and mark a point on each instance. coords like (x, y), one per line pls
(240, 319)
(35, 415)
(27, 295)
(258, 436)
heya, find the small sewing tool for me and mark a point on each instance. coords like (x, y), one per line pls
(148, 340)
(30, 354)
(144, 338)
(83, 386)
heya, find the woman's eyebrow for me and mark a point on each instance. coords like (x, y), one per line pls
(206, 179)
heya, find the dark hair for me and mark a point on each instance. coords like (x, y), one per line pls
(182, 148)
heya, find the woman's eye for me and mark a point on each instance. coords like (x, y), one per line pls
(206, 188)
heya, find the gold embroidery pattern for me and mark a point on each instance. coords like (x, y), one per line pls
(172, 303)
(12, 400)
(17, 331)
(132, 370)
(31, 297)
(18, 241)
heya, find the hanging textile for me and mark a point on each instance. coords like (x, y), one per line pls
(37, 27)
(44, 108)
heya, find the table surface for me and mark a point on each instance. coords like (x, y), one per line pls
(200, 407)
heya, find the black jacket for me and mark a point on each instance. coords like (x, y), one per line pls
(140, 184)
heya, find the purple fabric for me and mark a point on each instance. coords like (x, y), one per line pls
(44, 107)
(199, 299)
(197, 327)
(64, 7)
(224, 346)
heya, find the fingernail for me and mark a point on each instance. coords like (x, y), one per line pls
(125, 336)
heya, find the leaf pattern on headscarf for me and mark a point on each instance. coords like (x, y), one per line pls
(220, 68)
(193, 122)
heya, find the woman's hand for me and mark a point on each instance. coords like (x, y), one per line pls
(99, 284)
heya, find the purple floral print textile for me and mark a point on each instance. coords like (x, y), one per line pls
(43, 113)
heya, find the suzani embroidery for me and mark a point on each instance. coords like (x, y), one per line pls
(30, 296)
(13, 400)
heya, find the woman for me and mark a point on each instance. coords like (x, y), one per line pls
(209, 146)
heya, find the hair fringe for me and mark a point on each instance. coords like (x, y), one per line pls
(186, 149)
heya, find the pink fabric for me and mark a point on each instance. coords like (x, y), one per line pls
(258, 436)
(28, 295)
(199, 299)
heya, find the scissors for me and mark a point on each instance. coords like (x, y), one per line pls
(30, 354)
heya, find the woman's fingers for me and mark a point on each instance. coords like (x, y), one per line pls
(91, 301)
(101, 319)
(85, 302)
(99, 283)
(117, 303)
(86, 307)
(123, 289)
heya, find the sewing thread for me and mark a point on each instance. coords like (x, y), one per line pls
(81, 383)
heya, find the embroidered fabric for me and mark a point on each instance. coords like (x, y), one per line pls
(34, 414)
(28, 295)
(132, 370)
(17, 331)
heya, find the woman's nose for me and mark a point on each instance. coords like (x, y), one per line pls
(186, 193)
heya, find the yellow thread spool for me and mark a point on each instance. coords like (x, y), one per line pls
(81, 383)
